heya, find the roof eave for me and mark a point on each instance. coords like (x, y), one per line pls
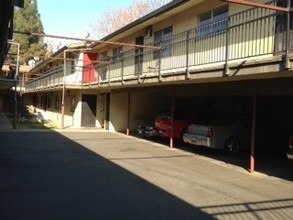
(173, 4)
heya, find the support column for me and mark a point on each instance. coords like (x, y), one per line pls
(63, 92)
(253, 130)
(128, 114)
(172, 121)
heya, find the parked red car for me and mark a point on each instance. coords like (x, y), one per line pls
(180, 123)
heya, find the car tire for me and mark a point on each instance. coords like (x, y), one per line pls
(181, 141)
(233, 145)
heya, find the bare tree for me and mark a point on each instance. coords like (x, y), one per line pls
(111, 20)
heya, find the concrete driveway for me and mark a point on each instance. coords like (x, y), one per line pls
(103, 175)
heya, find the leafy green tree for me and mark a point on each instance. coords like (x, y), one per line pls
(28, 20)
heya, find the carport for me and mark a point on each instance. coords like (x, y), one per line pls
(273, 95)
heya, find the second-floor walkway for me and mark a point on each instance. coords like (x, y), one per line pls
(253, 37)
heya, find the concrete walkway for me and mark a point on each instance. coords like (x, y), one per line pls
(4, 122)
(104, 175)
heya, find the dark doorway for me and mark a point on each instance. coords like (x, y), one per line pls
(88, 112)
(139, 55)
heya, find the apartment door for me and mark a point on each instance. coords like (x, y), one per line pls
(89, 70)
(88, 112)
(138, 55)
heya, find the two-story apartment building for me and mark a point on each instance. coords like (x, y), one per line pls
(234, 57)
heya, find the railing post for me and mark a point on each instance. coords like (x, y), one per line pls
(122, 71)
(138, 67)
(160, 59)
(226, 70)
(187, 76)
(171, 143)
(99, 71)
(287, 60)
(108, 73)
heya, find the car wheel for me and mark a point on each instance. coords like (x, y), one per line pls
(232, 145)
(181, 141)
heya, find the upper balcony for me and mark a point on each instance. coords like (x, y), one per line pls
(254, 37)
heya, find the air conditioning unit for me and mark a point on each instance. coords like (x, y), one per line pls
(148, 32)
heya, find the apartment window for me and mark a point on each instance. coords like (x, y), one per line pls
(163, 39)
(213, 21)
(73, 63)
(117, 54)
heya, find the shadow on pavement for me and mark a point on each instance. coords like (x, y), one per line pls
(44, 175)
(252, 210)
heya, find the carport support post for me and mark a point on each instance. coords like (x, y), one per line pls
(172, 121)
(63, 91)
(253, 129)
(128, 114)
